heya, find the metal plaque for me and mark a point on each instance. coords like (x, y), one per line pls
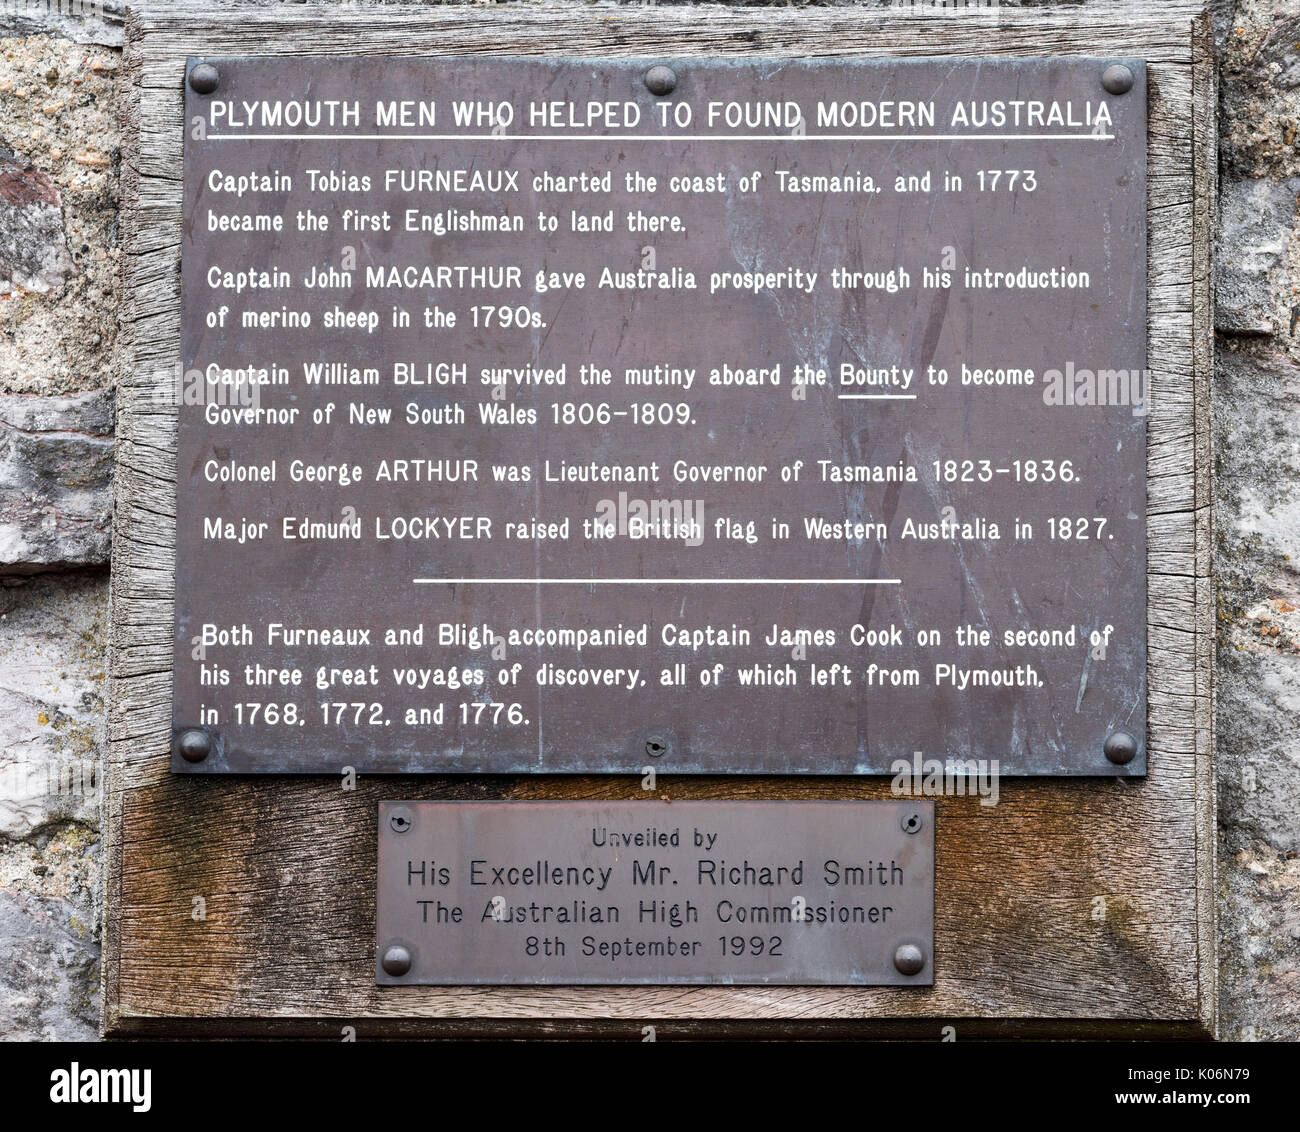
(838, 893)
(745, 416)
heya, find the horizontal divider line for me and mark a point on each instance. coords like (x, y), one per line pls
(659, 581)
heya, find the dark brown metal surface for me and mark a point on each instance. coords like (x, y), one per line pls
(1085, 213)
(835, 893)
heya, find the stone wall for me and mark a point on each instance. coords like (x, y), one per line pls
(1257, 461)
(59, 163)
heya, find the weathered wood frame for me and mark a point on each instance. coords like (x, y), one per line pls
(286, 866)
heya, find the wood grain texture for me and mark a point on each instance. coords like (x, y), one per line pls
(286, 866)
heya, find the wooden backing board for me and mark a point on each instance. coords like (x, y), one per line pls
(285, 867)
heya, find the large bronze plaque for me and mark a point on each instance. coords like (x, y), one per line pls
(840, 893)
(787, 417)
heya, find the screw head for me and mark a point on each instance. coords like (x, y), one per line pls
(194, 745)
(911, 822)
(1121, 746)
(204, 79)
(1117, 79)
(399, 823)
(660, 80)
(656, 747)
(908, 959)
(396, 959)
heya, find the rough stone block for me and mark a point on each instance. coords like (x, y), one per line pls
(49, 971)
(1259, 949)
(1259, 748)
(52, 673)
(82, 21)
(1257, 445)
(34, 253)
(56, 474)
(59, 105)
(1256, 218)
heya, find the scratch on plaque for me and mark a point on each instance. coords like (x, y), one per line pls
(1083, 681)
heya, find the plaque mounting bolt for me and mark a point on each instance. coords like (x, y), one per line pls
(909, 959)
(400, 823)
(396, 959)
(204, 79)
(194, 745)
(911, 822)
(1121, 747)
(660, 80)
(655, 747)
(1117, 79)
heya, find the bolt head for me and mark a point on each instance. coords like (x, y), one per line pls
(194, 745)
(1121, 746)
(909, 959)
(396, 959)
(399, 823)
(911, 822)
(204, 79)
(660, 80)
(656, 747)
(1117, 79)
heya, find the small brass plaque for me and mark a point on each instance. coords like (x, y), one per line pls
(835, 893)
